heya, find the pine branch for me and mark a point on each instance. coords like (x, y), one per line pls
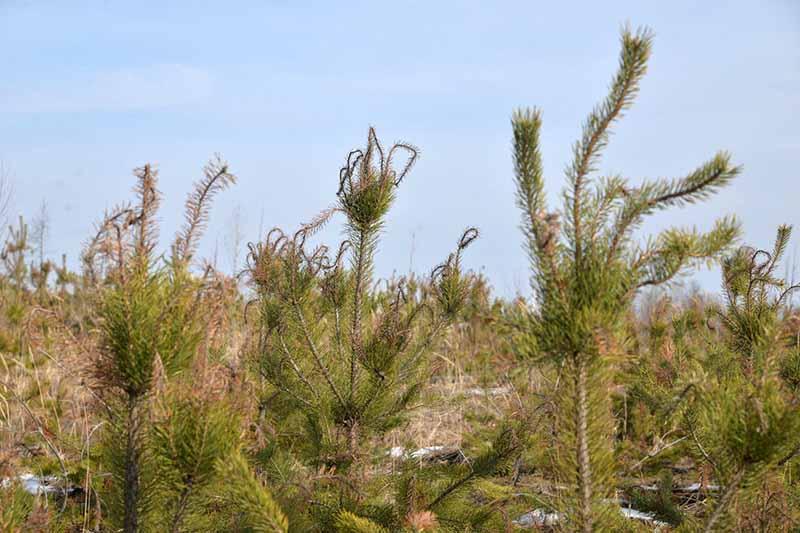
(656, 195)
(697, 186)
(261, 513)
(505, 445)
(676, 249)
(296, 369)
(216, 178)
(528, 175)
(149, 200)
(347, 522)
(539, 227)
(315, 353)
(586, 152)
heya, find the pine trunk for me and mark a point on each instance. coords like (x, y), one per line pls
(132, 469)
(583, 458)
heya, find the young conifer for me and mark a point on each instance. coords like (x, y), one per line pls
(745, 422)
(13, 256)
(343, 361)
(587, 269)
(163, 442)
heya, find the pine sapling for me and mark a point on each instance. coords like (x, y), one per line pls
(151, 327)
(587, 268)
(746, 422)
(342, 361)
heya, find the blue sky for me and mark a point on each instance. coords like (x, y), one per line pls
(283, 90)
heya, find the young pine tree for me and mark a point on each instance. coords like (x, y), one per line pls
(343, 362)
(167, 439)
(586, 270)
(746, 421)
(147, 331)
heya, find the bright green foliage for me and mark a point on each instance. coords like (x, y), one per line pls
(587, 268)
(146, 323)
(747, 422)
(190, 439)
(347, 522)
(258, 511)
(15, 507)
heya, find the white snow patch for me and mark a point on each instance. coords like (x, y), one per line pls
(540, 517)
(492, 391)
(633, 514)
(424, 452)
(397, 452)
(33, 484)
(537, 517)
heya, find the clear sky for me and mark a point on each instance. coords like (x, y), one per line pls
(283, 90)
